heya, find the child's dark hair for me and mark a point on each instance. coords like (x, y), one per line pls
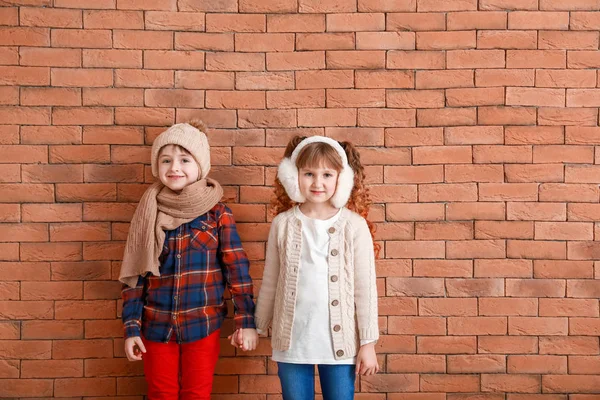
(317, 153)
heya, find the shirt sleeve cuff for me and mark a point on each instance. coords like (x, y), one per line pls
(367, 341)
(132, 330)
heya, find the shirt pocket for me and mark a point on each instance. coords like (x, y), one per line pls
(204, 235)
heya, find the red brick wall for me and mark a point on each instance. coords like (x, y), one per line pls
(478, 123)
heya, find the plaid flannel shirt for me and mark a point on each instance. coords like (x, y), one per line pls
(198, 260)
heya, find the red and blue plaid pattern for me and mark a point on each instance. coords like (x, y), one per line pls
(198, 260)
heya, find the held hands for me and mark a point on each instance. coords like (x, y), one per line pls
(245, 339)
(134, 347)
(366, 360)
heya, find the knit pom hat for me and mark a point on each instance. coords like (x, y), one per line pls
(191, 137)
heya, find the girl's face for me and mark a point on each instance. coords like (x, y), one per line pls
(317, 184)
(177, 168)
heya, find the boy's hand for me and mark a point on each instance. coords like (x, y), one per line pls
(366, 360)
(134, 347)
(245, 339)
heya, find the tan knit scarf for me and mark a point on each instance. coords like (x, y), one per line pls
(160, 209)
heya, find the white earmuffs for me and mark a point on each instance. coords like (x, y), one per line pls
(288, 173)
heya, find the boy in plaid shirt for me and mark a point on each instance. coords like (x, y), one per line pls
(182, 250)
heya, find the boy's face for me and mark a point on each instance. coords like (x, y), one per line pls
(317, 184)
(176, 168)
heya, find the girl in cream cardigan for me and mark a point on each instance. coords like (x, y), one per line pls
(318, 291)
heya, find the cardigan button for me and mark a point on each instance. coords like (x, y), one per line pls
(334, 252)
(337, 328)
(331, 230)
(334, 278)
(335, 303)
(339, 353)
(178, 256)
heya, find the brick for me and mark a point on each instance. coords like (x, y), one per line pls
(50, 57)
(449, 383)
(9, 369)
(11, 251)
(26, 310)
(355, 59)
(385, 40)
(441, 155)
(582, 250)
(416, 363)
(454, 5)
(415, 98)
(417, 325)
(508, 344)
(151, 5)
(568, 192)
(476, 364)
(9, 95)
(113, 19)
(582, 98)
(583, 59)
(476, 249)
(414, 137)
(506, 115)
(10, 212)
(112, 58)
(84, 38)
(447, 117)
(24, 36)
(568, 307)
(474, 97)
(475, 287)
(81, 77)
(85, 386)
(112, 97)
(294, 23)
(538, 20)
(583, 212)
(535, 97)
(583, 364)
(144, 116)
(566, 116)
(26, 193)
(26, 387)
(82, 116)
(473, 135)
(475, 59)
(443, 79)
(449, 40)
(575, 5)
(204, 41)
(508, 5)
(534, 135)
(86, 192)
(50, 97)
(534, 173)
(447, 345)
(43, 173)
(204, 80)
(536, 59)
(50, 251)
(563, 269)
(412, 212)
(415, 22)
(413, 174)
(533, 326)
(564, 230)
(475, 211)
(51, 368)
(236, 23)
(504, 77)
(52, 329)
(268, 6)
(259, 42)
(417, 249)
(579, 345)
(24, 76)
(9, 16)
(383, 6)
(154, 40)
(447, 307)
(10, 173)
(508, 307)
(325, 41)
(566, 78)
(177, 21)
(536, 249)
(400, 193)
(328, 6)
(448, 192)
(568, 40)
(468, 20)
(91, 4)
(515, 383)
(50, 134)
(355, 22)
(418, 60)
(112, 367)
(174, 98)
(570, 384)
(235, 62)
(584, 326)
(296, 99)
(235, 99)
(10, 56)
(443, 230)
(504, 230)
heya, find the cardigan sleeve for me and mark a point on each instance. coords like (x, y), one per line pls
(365, 283)
(266, 297)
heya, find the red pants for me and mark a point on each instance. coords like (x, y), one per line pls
(181, 371)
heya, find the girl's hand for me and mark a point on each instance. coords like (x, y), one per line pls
(134, 347)
(366, 360)
(245, 339)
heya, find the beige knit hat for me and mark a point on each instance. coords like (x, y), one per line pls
(191, 137)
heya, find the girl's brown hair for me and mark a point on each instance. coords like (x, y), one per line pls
(319, 153)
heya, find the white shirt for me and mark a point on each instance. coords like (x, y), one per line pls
(311, 335)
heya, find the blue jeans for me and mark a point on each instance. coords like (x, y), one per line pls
(298, 381)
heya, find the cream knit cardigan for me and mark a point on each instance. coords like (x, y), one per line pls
(352, 282)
